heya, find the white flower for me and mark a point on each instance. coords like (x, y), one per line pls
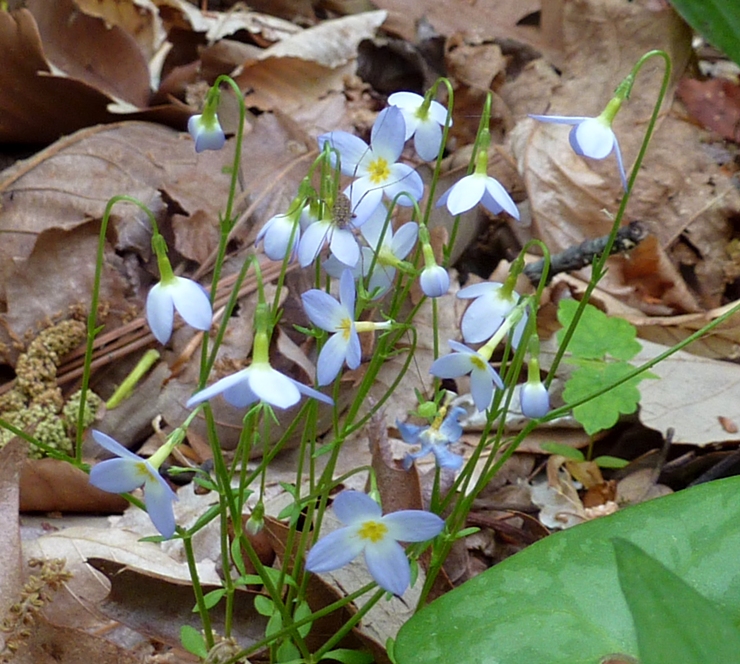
(478, 188)
(424, 126)
(129, 472)
(464, 361)
(206, 132)
(366, 529)
(258, 382)
(491, 304)
(434, 439)
(535, 401)
(590, 137)
(375, 165)
(185, 295)
(434, 280)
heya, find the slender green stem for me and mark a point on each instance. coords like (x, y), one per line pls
(598, 270)
(205, 617)
(92, 329)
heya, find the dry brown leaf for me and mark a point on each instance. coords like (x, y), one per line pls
(50, 485)
(76, 605)
(158, 606)
(52, 644)
(486, 19)
(137, 18)
(692, 396)
(331, 43)
(216, 25)
(34, 95)
(90, 50)
(11, 576)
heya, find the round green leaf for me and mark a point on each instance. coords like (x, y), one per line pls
(560, 601)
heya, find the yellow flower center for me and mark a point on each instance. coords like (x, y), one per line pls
(373, 531)
(477, 362)
(379, 171)
(345, 327)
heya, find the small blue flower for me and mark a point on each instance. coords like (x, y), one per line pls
(339, 319)
(258, 382)
(434, 439)
(206, 132)
(367, 530)
(375, 165)
(185, 295)
(129, 472)
(424, 125)
(590, 137)
(463, 361)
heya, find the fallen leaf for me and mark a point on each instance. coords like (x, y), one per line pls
(50, 485)
(158, 607)
(691, 407)
(11, 577)
(714, 103)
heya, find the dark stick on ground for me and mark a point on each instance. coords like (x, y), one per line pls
(575, 258)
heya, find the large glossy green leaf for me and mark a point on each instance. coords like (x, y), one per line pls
(717, 20)
(674, 623)
(560, 602)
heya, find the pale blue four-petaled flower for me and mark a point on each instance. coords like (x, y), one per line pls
(258, 382)
(375, 165)
(590, 137)
(129, 472)
(434, 440)
(462, 361)
(491, 304)
(206, 133)
(424, 126)
(185, 295)
(367, 530)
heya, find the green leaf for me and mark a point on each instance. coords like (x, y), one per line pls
(563, 450)
(287, 653)
(674, 622)
(212, 598)
(264, 605)
(347, 656)
(717, 20)
(303, 610)
(607, 461)
(192, 640)
(597, 334)
(560, 602)
(604, 411)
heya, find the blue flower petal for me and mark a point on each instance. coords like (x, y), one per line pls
(388, 565)
(352, 507)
